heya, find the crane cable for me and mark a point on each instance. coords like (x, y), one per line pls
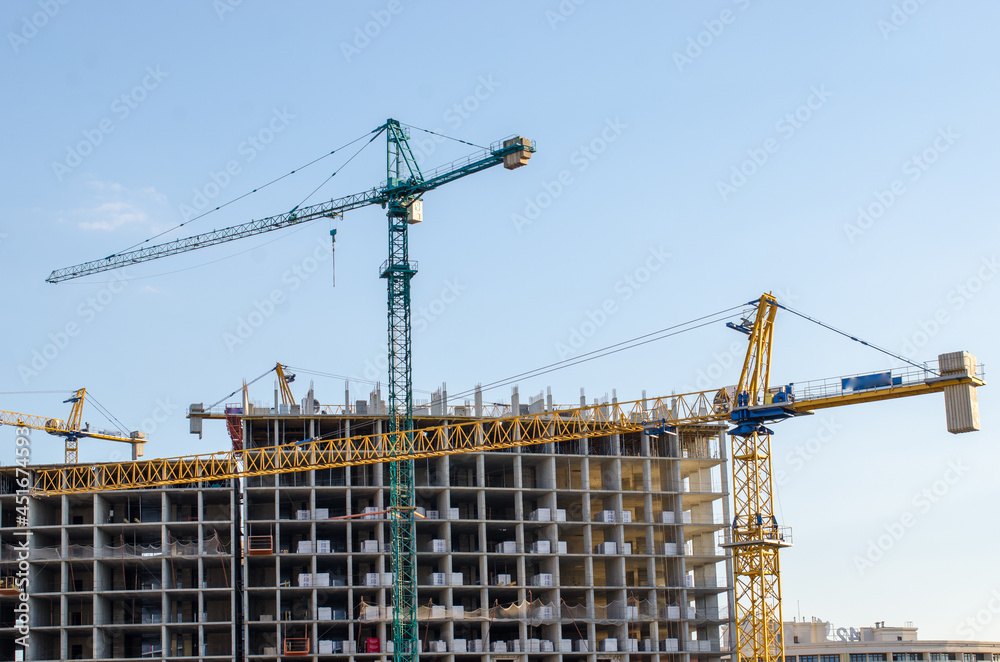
(296, 369)
(595, 354)
(236, 199)
(344, 165)
(858, 340)
(435, 133)
(589, 356)
(107, 414)
(608, 350)
(255, 379)
(331, 375)
(598, 353)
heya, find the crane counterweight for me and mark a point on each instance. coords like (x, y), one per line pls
(520, 157)
(961, 404)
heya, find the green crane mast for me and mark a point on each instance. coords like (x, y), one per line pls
(398, 271)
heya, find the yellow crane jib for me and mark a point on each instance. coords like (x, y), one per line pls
(73, 428)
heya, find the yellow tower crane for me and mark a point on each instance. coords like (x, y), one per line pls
(755, 537)
(284, 379)
(72, 429)
(233, 413)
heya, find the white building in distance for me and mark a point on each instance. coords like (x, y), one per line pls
(818, 641)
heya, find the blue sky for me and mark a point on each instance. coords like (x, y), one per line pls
(840, 155)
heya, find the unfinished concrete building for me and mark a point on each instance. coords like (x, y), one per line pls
(592, 550)
(119, 575)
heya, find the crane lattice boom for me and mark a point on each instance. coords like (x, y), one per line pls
(495, 155)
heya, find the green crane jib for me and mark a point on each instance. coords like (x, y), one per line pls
(400, 195)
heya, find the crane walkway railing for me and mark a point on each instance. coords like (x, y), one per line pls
(895, 378)
(481, 158)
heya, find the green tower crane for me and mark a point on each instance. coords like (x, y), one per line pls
(401, 195)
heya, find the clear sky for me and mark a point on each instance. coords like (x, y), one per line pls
(690, 156)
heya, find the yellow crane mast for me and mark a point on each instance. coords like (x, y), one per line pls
(755, 536)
